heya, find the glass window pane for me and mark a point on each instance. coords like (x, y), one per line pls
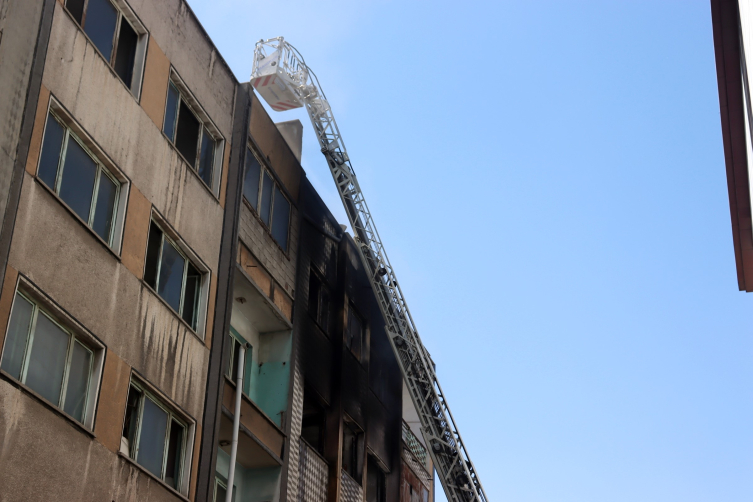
(78, 382)
(125, 56)
(207, 158)
(266, 198)
(101, 18)
(228, 355)
(221, 494)
(77, 185)
(191, 296)
(251, 181)
(76, 8)
(174, 454)
(187, 137)
(105, 207)
(152, 255)
(152, 440)
(18, 333)
(171, 110)
(131, 416)
(280, 219)
(47, 360)
(171, 275)
(50, 157)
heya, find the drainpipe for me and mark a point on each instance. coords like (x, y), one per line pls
(236, 421)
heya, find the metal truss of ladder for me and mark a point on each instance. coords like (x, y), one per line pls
(281, 76)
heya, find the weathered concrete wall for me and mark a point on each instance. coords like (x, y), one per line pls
(34, 440)
(101, 289)
(19, 27)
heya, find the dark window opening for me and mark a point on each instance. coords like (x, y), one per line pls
(313, 423)
(319, 307)
(192, 139)
(125, 56)
(76, 8)
(172, 275)
(354, 336)
(376, 482)
(187, 134)
(352, 453)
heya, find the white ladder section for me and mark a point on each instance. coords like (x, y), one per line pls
(282, 78)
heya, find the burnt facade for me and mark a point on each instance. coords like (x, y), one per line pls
(161, 247)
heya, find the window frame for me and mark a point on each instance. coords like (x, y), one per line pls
(348, 343)
(125, 12)
(257, 209)
(133, 449)
(200, 310)
(323, 285)
(76, 333)
(206, 125)
(104, 166)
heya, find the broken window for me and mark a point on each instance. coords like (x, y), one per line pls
(313, 422)
(354, 335)
(154, 436)
(116, 32)
(68, 167)
(172, 275)
(352, 453)
(376, 482)
(190, 136)
(319, 300)
(266, 197)
(48, 358)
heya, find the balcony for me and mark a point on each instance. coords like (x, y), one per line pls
(351, 490)
(414, 445)
(312, 475)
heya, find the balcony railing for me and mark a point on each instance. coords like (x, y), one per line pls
(414, 445)
(351, 490)
(312, 475)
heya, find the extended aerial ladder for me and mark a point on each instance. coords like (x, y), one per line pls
(282, 78)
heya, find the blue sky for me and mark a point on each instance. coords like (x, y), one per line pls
(548, 178)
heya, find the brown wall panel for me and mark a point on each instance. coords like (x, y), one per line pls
(136, 232)
(112, 401)
(6, 299)
(156, 76)
(35, 146)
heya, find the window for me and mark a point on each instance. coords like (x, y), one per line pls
(69, 168)
(172, 275)
(319, 300)
(352, 450)
(220, 490)
(233, 348)
(154, 436)
(49, 359)
(355, 333)
(117, 33)
(192, 138)
(314, 419)
(376, 483)
(267, 199)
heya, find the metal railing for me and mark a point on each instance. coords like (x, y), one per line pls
(414, 445)
(313, 473)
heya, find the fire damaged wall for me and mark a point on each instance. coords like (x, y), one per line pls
(360, 386)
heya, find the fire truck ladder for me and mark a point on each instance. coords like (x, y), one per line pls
(282, 78)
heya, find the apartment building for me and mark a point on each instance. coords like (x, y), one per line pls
(165, 262)
(109, 290)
